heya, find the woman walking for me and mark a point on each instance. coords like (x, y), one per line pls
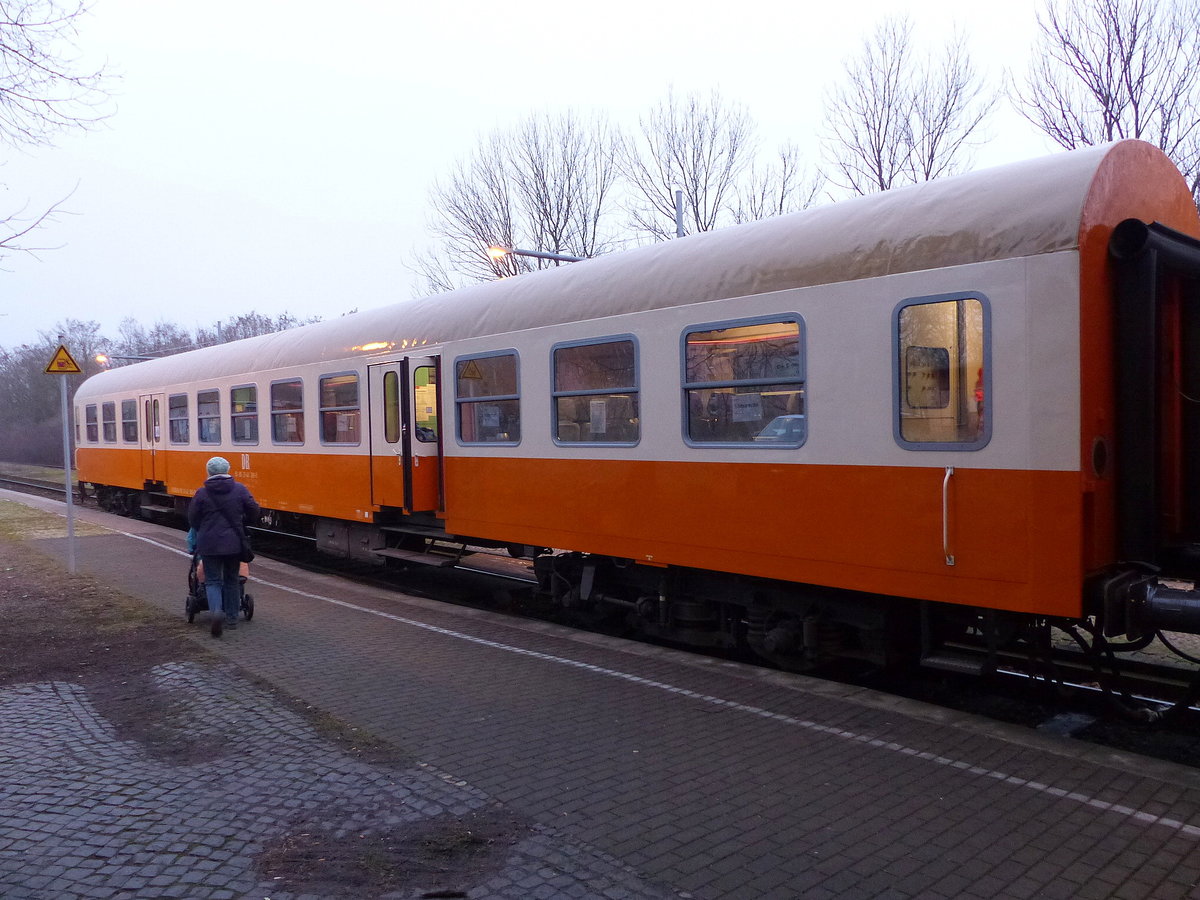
(219, 512)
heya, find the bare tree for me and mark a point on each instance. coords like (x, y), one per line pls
(44, 89)
(701, 146)
(1109, 69)
(898, 118)
(251, 324)
(779, 187)
(545, 185)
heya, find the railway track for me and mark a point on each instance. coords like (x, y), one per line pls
(1060, 691)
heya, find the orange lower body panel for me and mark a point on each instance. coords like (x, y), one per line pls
(1015, 536)
(337, 487)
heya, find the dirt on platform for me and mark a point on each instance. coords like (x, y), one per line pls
(70, 628)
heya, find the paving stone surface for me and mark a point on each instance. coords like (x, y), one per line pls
(88, 814)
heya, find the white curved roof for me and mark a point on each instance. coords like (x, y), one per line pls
(1022, 209)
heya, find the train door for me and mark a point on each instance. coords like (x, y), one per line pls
(406, 440)
(154, 463)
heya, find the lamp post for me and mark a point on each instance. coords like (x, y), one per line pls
(498, 253)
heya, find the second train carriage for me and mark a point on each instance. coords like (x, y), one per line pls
(972, 399)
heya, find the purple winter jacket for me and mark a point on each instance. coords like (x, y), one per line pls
(215, 535)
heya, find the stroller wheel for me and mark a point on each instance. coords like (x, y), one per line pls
(248, 606)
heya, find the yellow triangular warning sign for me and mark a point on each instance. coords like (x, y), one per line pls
(63, 363)
(470, 370)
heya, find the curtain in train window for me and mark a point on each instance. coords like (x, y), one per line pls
(287, 412)
(942, 379)
(488, 399)
(339, 409)
(595, 393)
(744, 384)
(177, 419)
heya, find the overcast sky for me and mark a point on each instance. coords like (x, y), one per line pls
(276, 156)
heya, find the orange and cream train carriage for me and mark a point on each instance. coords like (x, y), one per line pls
(962, 407)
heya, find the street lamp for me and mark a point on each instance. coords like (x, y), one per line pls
(103, 358)
(498, 253)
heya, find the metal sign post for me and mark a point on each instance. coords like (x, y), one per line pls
(63, 365)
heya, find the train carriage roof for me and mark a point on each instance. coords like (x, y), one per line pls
(1023, 209)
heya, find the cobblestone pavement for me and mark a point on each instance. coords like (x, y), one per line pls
(86, 814)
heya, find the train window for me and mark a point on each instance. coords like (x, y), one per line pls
(487, 398)
(208, 417)
(129, 421)
(942, 369)
(243, 414)
(287, 412)
(78, 419)
(339, 409)
(596, 393)
(109, 419)
(391, 407)
(743, 383)
(93, 430)
(177, 418)
(425, 404)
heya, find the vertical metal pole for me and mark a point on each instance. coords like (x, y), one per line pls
(679, 214)
(66, 420)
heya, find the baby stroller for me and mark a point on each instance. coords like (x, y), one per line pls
(197, 599)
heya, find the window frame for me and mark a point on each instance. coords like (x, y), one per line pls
(460, 402)
(235, 416)
(108, 421)
(899, 389)
(126, 422)
(214, 417)
(322, 409)
(92, 423)
(634, 390)
(801, 379)
(171, 420)
(288, 412)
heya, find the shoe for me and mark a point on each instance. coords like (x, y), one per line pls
(231, 623)
(218, 625)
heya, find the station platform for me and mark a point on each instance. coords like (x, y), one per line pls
(631, 771)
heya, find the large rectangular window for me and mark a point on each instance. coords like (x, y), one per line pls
(243, 414)
(488, 399)
(177, 419)
(93, 429)
(743, 383)
(129, 421)
(339, 409)
(941, 355)
(208, 417)
(595, 393)
(109, 411)
(287, 412)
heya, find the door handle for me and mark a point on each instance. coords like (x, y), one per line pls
(946, 515)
